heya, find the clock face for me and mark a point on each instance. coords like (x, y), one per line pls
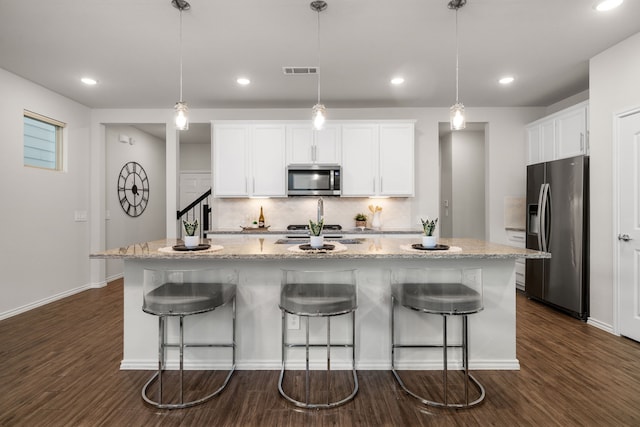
(133, 189)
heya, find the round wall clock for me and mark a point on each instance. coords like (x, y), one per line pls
(133, 189)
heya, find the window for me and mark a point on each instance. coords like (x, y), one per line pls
(42, 141)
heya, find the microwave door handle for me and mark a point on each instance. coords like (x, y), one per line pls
(331, 180)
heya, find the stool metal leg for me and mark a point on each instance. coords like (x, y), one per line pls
(307, 403)
(445, 346)
(162, 345)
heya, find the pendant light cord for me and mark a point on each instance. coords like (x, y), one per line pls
(318, 59)
(180, 55)
(457, 55)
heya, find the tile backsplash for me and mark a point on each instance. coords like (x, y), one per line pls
(280, 212)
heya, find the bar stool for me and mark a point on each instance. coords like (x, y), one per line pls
(446, 292)
(181, 293)
(318, 294)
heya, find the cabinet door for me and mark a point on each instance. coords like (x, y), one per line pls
(268, 160)
(396, 160)
(230, 149)
(547, 141)
(299, 144)
(327, 145)
(571, 131)
(534, 145)
(359, 160)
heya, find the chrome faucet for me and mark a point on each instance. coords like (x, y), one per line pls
(320, 209)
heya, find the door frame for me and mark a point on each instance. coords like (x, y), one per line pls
(617, 117)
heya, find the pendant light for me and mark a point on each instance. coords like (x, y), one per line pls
(319, 112)
(181, 118)
(456, 112)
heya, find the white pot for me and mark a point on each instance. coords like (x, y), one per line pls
(429, 241)
(317, 241)
(191, 241)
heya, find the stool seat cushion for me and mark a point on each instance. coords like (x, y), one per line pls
(176, 299)
(438, 298)
(318, 299)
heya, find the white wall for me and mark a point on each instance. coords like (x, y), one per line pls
(45, 252)
(614, 87)
(445, 223)
(468, 198)
(121, 229)
(195, 157)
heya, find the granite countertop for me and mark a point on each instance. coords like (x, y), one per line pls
(252, 247)
(349, 231)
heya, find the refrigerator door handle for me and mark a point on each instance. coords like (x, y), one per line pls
(548, 209)
(539, 216)
(543, 207)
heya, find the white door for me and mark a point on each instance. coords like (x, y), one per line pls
(360, 160)
(629, 225)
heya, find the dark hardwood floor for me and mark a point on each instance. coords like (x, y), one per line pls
(59, 366)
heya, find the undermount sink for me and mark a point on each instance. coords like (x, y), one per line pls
(302, 241)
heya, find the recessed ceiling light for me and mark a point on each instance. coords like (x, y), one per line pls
(89, 81)
(604, 5)
(243, 81)
(397, 81)
(506, 80)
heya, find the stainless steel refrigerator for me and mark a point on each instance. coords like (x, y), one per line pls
(558, 222)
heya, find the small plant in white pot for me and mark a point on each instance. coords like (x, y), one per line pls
(428, 227)
(316, 238)
(190, 228)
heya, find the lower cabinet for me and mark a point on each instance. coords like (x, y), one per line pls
(517, 238)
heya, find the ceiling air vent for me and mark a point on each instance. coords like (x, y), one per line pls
(299, 71)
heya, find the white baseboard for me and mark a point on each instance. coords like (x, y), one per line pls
(44, 301)
(338, 365)
(600, 325)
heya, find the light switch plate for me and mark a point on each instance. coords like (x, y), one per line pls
(80, 216)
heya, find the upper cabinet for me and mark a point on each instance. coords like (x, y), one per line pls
(308, 146)
(560, 135)
(378, 159)
(248, 160)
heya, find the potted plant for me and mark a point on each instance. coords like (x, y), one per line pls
(190, 228)
(361, 220)
(316, 238)
(428, 227)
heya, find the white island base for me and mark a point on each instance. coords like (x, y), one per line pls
(492, 332)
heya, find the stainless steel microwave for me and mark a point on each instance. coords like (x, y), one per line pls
(313, 180)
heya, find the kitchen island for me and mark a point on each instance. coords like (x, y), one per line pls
(259, 261)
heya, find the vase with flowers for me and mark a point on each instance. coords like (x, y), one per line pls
(428, 227)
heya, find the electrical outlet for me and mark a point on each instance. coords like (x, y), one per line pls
(293, 321)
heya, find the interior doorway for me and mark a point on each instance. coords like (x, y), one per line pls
(462, 181)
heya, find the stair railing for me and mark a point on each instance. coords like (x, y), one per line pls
(198, 209)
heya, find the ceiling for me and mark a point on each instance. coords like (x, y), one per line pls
(132, 48)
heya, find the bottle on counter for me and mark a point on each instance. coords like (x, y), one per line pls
(261, 219)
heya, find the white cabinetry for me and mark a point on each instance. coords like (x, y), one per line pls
(378, 159)
(248, 160)
(560, 135)
(307, 146)
(517, 238)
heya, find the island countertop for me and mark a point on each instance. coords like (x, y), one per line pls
(253, 247)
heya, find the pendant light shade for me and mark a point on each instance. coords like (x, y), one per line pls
(456, 112)
(182, 117)
(319, 112)
(181, 114)
(319, 116)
